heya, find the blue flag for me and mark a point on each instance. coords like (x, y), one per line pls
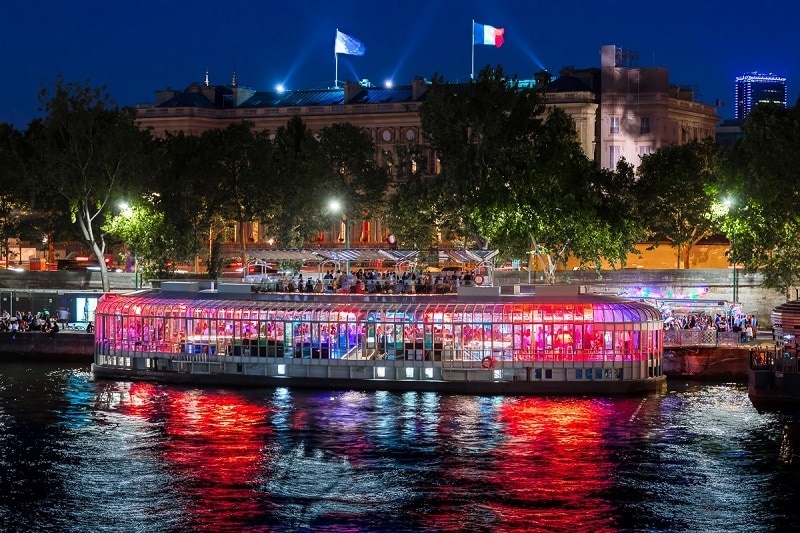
(347, 45)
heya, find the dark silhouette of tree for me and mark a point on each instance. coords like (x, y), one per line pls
(88, 151)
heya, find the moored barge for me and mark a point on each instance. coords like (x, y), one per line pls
(555, 340)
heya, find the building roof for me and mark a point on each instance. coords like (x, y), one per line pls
(295, 98)
(565, 84)
(188, 99)
(192, 97)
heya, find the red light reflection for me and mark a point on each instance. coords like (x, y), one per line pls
(214, 447)
(552, 465)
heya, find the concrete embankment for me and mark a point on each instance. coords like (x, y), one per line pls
(717, 363)
(78, 347)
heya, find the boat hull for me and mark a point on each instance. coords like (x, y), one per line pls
(767, 387)
(479, 382)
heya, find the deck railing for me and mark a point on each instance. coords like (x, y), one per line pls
(676, 338)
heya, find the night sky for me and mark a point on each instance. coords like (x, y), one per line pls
(135, 48)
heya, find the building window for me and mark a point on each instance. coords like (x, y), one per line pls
(614, 125)
(613, 153)
(645, 149)
(645, 125)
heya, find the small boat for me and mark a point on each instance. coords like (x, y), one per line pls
(773, 377)
(524, 340)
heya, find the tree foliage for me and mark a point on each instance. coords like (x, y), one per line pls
(763, 186)
(676, 194)
(516, 176)
(412, 209)
(88, 150)
(12, 183)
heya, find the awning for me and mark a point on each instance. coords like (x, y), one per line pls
(273, 256)
(471, 256)
(362, 255)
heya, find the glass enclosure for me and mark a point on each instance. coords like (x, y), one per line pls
(598, 329)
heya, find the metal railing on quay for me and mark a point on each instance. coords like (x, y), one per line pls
(676, 338)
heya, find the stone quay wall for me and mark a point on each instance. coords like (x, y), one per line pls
(713, 285)
(77, 347)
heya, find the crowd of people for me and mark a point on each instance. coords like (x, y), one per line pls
(371, 281)
(41, 321)
(745, 324)
(29, 321)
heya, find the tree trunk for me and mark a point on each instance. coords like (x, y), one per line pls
(686, 249)
(101, 260)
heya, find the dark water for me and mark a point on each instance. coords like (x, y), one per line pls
(79, 455)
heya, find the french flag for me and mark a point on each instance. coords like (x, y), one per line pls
(483, 34)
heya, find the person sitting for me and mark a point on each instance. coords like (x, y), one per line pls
(90, 327)
(53, 327)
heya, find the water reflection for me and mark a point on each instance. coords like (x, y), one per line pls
(109, 456)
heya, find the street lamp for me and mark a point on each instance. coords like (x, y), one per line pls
(729, 203)
(127, 212)
(337, 207)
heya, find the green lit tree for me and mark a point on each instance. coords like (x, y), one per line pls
(676, 191)
(517, 178)
(762, 186)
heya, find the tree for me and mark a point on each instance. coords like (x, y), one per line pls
(11, 186)
(475, 129)
(298, 193)
(186, 198)
(236, 161)
(87, 151)
(761, 181)
(676, 192)
(518, 178)
(412, 212)
(352, 173)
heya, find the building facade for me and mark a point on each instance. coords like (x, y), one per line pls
(619, 111)
(640, 111)
(754, 88)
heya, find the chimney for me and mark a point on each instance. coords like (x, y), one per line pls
(418, 87)
(163, 96)
(351, 90)
(608, 56)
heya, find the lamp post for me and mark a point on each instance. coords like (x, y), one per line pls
(729, 204)
(127, 212)
(337, 207)
(735, 270)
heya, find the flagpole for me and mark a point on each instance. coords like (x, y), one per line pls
(336, 60)
(472, 70)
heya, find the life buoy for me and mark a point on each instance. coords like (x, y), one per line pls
(478, 280)
(487, 362)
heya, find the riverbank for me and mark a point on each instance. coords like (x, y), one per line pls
(75, 346)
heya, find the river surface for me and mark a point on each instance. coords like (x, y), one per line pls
(84, 455)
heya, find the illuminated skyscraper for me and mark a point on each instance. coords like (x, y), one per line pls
(754, 88)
